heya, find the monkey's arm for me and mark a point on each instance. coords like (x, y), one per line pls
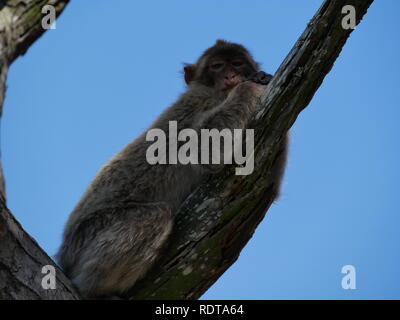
(233, 113)
(236, 110)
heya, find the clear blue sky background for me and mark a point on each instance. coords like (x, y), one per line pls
(89, 87)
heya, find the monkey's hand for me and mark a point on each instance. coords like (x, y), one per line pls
(260, 77)
(252, 87)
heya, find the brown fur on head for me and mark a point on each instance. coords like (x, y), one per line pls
(222, 66)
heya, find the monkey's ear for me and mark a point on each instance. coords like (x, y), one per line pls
(189, 71)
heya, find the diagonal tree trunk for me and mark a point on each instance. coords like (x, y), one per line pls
(219, 218)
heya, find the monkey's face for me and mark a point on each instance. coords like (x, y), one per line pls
(222, 66)
(226, 72)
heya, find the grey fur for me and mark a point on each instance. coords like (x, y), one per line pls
(117, 229)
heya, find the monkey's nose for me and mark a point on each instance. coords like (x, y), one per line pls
(231, 80)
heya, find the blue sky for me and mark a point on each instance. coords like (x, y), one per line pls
(89, 87)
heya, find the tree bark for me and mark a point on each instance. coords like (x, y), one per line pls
(21, 259)
(217, 220)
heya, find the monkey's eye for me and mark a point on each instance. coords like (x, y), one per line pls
(237, 63)
(216, 66)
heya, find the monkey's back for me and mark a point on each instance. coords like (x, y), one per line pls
(128, 181)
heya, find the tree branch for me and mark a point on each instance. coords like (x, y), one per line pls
(219, 218)
(20, 26)
(21, 259)
(21, 263)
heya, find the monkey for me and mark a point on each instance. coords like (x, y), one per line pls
(122, 222)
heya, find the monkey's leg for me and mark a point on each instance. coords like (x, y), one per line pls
(122, 249)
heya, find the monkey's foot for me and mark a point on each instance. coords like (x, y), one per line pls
(260, 77)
